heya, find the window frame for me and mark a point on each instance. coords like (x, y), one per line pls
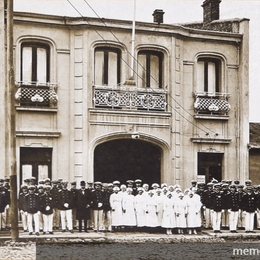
(218, 73)
(34, 46)
(106, 50)
(148, 53)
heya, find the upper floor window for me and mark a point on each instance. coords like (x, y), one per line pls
(107, 66)
(209, 75)
(35, 62)
(150, 69)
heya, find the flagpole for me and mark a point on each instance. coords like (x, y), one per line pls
(133, 43)
(11, 125)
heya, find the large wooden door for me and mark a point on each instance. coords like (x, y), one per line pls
(35, 162)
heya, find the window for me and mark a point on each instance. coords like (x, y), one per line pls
(107, 66)
(35, 62)
(209, 73)
(150, 69)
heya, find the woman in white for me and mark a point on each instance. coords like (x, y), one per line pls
(151, 210)
(115, 201)
(159, 200)
(180, 208)
(140, 207)
(168, 218)
(193, 213)
(128, 209)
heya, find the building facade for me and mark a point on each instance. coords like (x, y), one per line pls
(94, 104)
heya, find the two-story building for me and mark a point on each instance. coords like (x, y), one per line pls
(93, 104)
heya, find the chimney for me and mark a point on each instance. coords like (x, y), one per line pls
(158, 16)
(210, 11)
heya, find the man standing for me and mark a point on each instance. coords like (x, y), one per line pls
(33, 210)
(241, 216)
(97, 205)
(65, 206)
(233, 207)
(47, 210)
(206, 201)
(107, 221)
(216, 208)
(56, 211)
(83, 205)
(74, 193)
(249, 207)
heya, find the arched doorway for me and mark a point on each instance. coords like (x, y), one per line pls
(125, 159)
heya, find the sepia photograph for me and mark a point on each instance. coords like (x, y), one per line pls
(130, 129)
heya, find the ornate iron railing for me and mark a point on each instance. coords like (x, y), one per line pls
(33, 94)
(130, 98)
(211, 103)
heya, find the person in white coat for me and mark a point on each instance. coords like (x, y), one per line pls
(129, 219)
(140, 207)
(193, 213)
(159, 200)
(115, 201)
(151, 211)
(180, 208)
(168, 218)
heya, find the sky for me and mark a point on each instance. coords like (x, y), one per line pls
(176, 11)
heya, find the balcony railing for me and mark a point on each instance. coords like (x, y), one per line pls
(130, 98)
(33, 94)
(211, 103)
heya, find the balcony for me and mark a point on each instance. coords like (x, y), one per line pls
(130, 98)
(211, 105)
(36, 95)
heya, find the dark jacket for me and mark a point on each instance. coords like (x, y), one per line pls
(65, 196)
(97, 196)
(46, 203)
(217, 201)
(83, 204)
(249, 202)
(22, 201)
(232, 201)
(32, 203)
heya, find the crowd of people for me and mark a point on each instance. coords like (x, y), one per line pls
(134, 206)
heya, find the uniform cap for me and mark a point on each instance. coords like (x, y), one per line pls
(116, 182)
(24, 186)
(155, 185)
(55, 181)
(89, 182)
(248, 181)
(249, 187)
(216, 185)
(140, 189)
(73, 183)
(98, 183)
(209, 184)
(240, 186)
(236, 182)
(31, 187)
(130, 181)
(47, 187)
(193, 181)
(138, 181)
(40, 186)
(110, 184)
(232, 186)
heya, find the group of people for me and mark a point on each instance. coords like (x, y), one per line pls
(49, 205)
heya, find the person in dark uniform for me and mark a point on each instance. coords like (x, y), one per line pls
(216, 208)
(250, 208)
(22, 206)
(241, 216)
(47, 205)
(33, 210)
(206, 202)
(225, 214)
(233, 208)
(74, 192)
(97, 197)
(40, 191)
(107, 219)
(83, 206)
(56, 211)
(3, 203)
(65, 206)
(6, 215)
(193, 186)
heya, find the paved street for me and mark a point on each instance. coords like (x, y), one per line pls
(127, 245)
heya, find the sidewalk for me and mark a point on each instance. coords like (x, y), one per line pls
(129, 237)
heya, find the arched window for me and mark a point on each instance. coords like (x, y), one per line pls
(107, 66)
(209, 75)
(150, 69)
(35, 62)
